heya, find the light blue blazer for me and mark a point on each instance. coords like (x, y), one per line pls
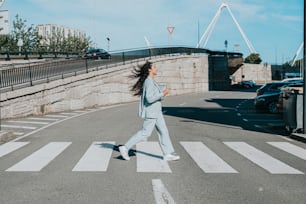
(150, 102)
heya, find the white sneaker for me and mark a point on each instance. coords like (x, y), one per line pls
(124, 152)
(171, 157)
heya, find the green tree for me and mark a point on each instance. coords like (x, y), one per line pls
(32, 41)
(253, 58)
(28, 34)
(4, 40)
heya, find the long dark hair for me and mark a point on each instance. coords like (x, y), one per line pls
(140, 72)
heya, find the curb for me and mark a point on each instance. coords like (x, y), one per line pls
(299, 136)
(6, 136)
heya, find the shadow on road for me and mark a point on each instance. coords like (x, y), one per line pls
(132, 152)
(226, 115)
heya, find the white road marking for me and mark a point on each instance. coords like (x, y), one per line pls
(290, 148)
(69, 114)
(161, 194)
(19, 127)
(96, 158)
(57, 116)
(44, 119)
(80, 111)
(262, 159)
(10, 147)
(40, 158)
(206, 159)
(150, 158)
(28, 122)
(182, 104)
(18, 133)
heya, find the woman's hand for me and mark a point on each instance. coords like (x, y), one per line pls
(166, 92)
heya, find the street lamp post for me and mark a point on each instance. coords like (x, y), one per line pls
(108, 39)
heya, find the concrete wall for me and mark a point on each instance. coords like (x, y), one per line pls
(260, 73)
(182, 74)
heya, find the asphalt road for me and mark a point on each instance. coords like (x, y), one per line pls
(229, 154)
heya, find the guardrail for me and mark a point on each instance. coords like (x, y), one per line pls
(16, 76)
(11, 55)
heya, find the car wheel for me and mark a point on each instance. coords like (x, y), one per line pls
(272, 107)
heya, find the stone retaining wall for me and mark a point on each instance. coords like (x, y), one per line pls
(260, 73)
(182, 74)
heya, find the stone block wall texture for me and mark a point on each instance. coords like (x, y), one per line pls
(182, 74)
(257, 72)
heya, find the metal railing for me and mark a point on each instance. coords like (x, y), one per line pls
(15, 76)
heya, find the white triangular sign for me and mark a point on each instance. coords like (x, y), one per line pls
(170, 29)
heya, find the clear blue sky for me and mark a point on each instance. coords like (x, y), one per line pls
(274, 27)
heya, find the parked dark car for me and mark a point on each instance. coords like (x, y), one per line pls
(267, 102)
(244, 84)
(272, 87)
(97, 54)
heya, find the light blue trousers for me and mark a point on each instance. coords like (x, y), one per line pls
(146, 131)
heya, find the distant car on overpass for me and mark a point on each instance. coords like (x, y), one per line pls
(97, 54)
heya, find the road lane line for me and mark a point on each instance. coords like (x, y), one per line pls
(161, 194)
(206, 159)
(290, 148)
(262, 159)
(41, 158)
(10, 147)
(150, 158)
(96, 158)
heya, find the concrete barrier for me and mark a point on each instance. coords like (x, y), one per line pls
(182, 74)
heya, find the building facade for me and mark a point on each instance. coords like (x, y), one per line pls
(48, 31)
(4, 22)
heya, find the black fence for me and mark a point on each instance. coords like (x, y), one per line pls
(16, 76)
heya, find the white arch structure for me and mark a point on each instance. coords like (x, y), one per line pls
(206, 35)
(297, 54)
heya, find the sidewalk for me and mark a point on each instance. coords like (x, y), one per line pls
(299, 136)
(6, 136)
(20, 61)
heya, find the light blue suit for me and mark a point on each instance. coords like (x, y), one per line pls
(150, 109)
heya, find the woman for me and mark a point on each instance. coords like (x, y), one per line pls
(150, 110)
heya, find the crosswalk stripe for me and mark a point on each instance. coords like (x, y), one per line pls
(19, 127)
(69, 114)
(28, 122)
(96, 158)
(262, 159)
(80, 111)
(290, 148)
(206, 159)
(18, 133)
(57, 116)
(40, 158)
(44, 119)
(10, 147)
(150, 159)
